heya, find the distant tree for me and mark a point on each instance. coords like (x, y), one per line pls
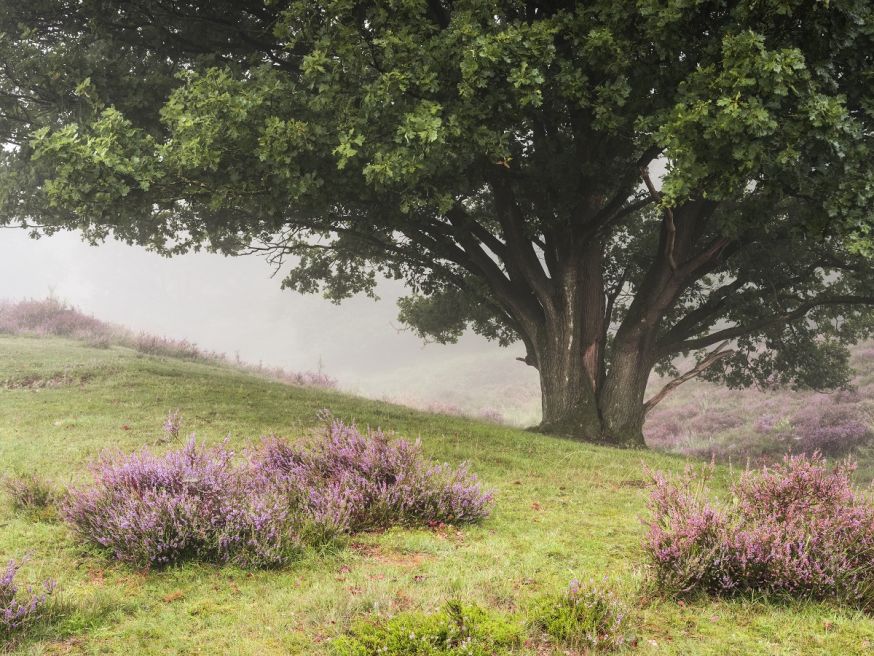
(493, 155)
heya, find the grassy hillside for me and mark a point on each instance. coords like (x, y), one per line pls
(563, 510)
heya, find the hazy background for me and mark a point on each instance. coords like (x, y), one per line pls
(232, 305)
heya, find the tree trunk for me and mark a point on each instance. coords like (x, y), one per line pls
(570, 405)
(578, 401)
(572, 408)
(622, 399)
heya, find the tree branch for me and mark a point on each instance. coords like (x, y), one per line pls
(615, 205)
(670, 227)
(686, 325)
(739, 331)
(709, 360)
(520, 254)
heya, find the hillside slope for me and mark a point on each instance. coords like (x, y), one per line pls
(563, 510)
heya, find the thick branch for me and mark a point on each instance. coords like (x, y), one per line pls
(709, 360)
(515, 295)
(685, 327)
(616, 205)
(739, 331)
(520, 254)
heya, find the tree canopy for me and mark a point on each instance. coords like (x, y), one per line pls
(493, 155)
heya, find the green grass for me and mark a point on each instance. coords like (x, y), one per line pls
(563, 510)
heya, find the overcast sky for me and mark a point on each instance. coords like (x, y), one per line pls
(232, 305)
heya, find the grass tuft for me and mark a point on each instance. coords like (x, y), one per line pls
(456, 630)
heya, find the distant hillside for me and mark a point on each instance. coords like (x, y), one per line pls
(698, 419)
(56, 318)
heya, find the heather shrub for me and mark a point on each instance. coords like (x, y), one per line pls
(714, 422)
(586, 617)
(301, 378)
(29, 492)
(365, 481)
(796, 529)
(491, 415)
(20, 609)
(830, 428)
(195, 502)
(48, 317)
(455, 630)
(98, 341)
(261, 511)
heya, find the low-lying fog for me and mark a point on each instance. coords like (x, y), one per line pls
(232, 305)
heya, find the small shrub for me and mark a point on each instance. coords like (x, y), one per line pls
(172, 348)
(300, 378)
(20, 609)
(29, 492)
(491, 415)
(98, 341)
(191, 503)
(202, 503)
(49, 317)
(366, 481)
(456, 630)
(584, 617)
(797, 529)
(172, 425)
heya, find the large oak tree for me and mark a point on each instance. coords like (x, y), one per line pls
(504, 158)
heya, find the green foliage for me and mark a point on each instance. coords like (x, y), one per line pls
(584, 617)
(456, 630)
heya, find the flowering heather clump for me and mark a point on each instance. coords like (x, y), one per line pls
(829, 427)
(18, 611)
(202, 503)
(365, 481)
(49, 317)
(587, 617)
(797, 529)
(195, 502)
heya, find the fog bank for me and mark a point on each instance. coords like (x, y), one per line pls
(232, 305)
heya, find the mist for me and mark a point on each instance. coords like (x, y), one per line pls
(234, 306)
